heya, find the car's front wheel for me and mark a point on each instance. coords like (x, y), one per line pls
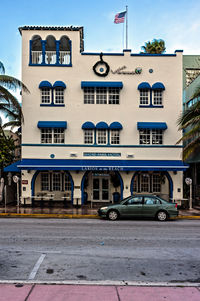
(113, 215)
(162, 216)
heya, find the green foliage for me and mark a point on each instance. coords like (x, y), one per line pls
(154, 47)
(190, 121)
(7, 150)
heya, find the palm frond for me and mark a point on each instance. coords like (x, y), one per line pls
(190, 148)
(12, 83)
(2, 69)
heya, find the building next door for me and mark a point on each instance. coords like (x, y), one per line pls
(100, 189)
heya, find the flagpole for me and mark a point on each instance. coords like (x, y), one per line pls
(126, 27)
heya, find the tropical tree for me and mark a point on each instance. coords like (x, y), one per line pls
(154, 47)
(9, 105)
(190, 122)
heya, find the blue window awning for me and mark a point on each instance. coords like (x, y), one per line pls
(116, 126)
(102, 125)
(59, 84)
(12, 167)
(88, 125)
(158, 86)
(45, 84)
(144, 85)
(94, 84)
(152, 125)
(110, 165)
(52, 124)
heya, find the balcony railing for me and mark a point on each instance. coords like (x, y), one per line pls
(50, 57)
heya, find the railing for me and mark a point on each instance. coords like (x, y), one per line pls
(50, 57)
(36, 57)
(64, 58)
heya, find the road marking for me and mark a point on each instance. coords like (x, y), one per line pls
(36, 267)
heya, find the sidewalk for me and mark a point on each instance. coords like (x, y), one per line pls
(84, 212)
(58, 292)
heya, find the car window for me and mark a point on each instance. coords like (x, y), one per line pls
(135, 201)
(151, 201)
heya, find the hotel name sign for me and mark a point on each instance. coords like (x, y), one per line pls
(121, 70)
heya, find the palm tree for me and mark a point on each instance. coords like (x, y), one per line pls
(9, 104)
(154, 47)
(190, 121)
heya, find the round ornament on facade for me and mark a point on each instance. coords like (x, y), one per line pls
(101, 68)
(52, 156)
(150, 70)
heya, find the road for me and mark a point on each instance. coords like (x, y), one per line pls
(95, 250)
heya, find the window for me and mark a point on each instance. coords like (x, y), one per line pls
(59, 95)
(156, 179)
(147, 183)
(101, 95)
(113, 96)
(45, 181)
(45, 94)
(52, 95)
(157, 97)
(49, 135)
(114, 137)
(135, 201)
(88, 136)
(45, 52)
(56, 181)
(151, 201)
(154, 136)
(102, 136)
(144, 97)
(89, 95)
(67, 181)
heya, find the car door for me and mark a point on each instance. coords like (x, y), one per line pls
(133, 207)
(150, 206)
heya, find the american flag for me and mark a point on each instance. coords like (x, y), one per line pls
(119, 18)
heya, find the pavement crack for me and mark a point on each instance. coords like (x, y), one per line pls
(116, 288)
(27, 297)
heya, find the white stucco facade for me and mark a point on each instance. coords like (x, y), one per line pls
(96, 163)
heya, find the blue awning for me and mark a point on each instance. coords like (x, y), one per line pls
(102, 125)
(110, 165)
(45, 84)
(12, 167)
(144, 85)
(158, 86)
(88, 125)
(102, 84)
(59, 84)
(116, 126)
(152, 125)
(52, 124)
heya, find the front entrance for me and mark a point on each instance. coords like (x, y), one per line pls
(100, 189)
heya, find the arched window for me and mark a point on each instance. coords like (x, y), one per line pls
(64, 49)
(50, 50)
(36, 50)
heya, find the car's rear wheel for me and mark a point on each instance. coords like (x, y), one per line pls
(113, 215)
(162, 216)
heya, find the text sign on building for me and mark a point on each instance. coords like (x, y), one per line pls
(24, 182)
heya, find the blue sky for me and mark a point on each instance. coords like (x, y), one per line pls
(175, 21)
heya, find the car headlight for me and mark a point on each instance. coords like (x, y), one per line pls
(104, 208)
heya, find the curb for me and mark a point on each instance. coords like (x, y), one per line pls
(70, 216)
(38, 215)
(103, 283)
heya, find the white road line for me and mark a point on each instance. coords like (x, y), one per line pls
(36, 267)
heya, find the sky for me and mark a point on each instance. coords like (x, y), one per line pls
(177, 22)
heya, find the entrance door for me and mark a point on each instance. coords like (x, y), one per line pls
(100, 189)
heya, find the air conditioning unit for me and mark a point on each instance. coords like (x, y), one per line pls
(73, 155)
(129, 155)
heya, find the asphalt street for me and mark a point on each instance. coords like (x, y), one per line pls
(96, 250)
